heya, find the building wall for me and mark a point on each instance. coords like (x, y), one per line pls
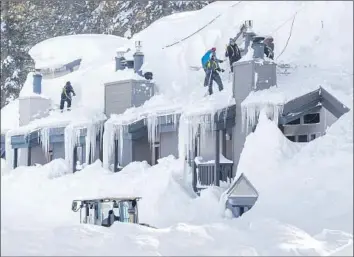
(127, 152)
(311, 131)
(122, 95)
(169, 144)
(33, 107)
(117, 97)
(22, 156)
(207, 145)
(141, 150)
(229, 150)
(58, 150)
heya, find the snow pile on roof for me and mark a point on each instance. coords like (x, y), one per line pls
(91, 48)
(304, 207)
(80, 117)
(171, 65)
(10, 116)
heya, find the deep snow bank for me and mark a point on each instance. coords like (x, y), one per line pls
(296, 186)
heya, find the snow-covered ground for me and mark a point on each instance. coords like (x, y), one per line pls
(306, 202)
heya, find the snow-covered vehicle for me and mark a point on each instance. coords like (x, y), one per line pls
(105, 211)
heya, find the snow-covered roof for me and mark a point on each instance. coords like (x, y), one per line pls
(282, 171)
(10, 117)
(58, 51)
(79, 117)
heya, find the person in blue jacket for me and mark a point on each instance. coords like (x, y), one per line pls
(207, 56)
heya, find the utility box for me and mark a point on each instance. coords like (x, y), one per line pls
(33, 107)
(252, 75)
(121, 95)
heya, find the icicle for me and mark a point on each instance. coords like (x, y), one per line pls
(250, 114)
(120, 142)
(71, 139)
(90, 141)
(44, 140)
(152, 125)
(108, 143)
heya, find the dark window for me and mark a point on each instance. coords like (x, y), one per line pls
(312, 118)
(313, 136)
(302, 138)
(291, 138)
(294, 122)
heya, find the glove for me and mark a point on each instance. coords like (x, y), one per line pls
(221, 61)
(222, 70)
(218, 69)
(74, 94)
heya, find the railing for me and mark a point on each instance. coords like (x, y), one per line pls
(206, 173)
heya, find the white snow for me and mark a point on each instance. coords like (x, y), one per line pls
(305, 205)
(10, 116)
(58, 51)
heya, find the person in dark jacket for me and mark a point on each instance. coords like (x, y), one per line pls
(212, 68)
(66, 96)
(269, 47)
(233, 52)
(111, 218)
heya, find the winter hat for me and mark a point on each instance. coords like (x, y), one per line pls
(213, 49)
(67, 83)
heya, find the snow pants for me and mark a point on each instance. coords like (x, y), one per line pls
(211, 76)
(62, 102)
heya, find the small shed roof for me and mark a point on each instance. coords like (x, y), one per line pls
(242, 187)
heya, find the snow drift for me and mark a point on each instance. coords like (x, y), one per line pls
(305, 204)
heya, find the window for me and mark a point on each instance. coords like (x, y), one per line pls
(291, 138)
(294, 122)
(312, 118)
(313, 136)
(302, 138)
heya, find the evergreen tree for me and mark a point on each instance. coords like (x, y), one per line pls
(26, 23)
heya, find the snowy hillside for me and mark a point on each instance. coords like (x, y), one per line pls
(306, 203)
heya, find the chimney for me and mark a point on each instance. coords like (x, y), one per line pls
(138, 58)
(37, 82)
(258, 47)
(248, 34)
(119, 60)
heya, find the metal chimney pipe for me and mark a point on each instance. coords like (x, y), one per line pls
(119, 60)
(138, 58)
(37, 82)
(258, 47)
